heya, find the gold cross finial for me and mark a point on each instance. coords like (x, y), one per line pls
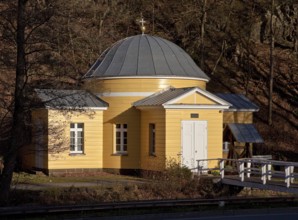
(142, 22)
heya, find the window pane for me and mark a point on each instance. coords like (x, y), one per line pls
(72, 147)
(76, 137)
(121, 137)
(79, 147)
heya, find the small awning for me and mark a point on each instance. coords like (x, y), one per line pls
(245, 133)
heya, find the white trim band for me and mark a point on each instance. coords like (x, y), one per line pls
(124, 94)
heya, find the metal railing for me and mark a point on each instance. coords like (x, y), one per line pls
(246, 167)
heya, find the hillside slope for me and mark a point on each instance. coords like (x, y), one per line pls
(228, 39)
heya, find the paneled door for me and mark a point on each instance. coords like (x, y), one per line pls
(194, 143)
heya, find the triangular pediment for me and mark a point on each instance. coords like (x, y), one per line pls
(184, 98)
(195, 98)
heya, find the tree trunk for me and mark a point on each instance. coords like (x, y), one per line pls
(203, 21)
(18, 126)
(271, 66)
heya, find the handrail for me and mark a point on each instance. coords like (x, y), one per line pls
(256, 166)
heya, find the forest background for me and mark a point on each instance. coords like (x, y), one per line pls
(240, 44)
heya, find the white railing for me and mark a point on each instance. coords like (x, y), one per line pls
(246, 167)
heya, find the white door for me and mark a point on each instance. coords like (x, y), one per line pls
(194, 143)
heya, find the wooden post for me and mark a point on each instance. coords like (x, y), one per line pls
(292, 178)
(241, 171)
(269, 170)
(264, 173)
(287, 176)
(248, 168)
(222, 168)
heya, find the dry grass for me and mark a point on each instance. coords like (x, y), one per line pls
(174, 183)
(22, 177)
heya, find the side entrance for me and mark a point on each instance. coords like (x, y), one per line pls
(194, 143)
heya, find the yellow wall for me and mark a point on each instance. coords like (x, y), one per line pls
(120, 111)
(59, 137)
(155, 116)
(196, 98)
(238, 117)
(39, 142)
(139, 85)
(173, 131)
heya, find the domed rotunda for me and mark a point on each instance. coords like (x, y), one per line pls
(154, 88)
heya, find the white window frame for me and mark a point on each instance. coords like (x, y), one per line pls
(152, 139)
(122, 130)
(76, 131)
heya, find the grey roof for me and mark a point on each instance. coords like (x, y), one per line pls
(145, 55)
(245, 133)
(69, 99)
(239, 102)
(162, 97)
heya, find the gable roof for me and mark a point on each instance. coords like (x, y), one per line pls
(145, 56)
(167, 98)
(245, 133)
(77, 99)
(239, 102)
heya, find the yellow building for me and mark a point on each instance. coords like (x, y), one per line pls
(146, 104)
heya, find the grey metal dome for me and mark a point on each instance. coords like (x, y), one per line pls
(145, 56)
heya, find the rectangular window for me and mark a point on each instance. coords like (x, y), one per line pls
(76, 137)
(225, 146)
(121, 138)
(152, 139)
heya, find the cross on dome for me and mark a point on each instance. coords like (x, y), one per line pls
(142, 22)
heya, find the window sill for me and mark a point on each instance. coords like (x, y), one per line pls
(76, 154)
(120, 154)
(152, 155)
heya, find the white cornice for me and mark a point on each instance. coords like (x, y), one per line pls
(76, 108)
(146, 77)
(220, 107)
